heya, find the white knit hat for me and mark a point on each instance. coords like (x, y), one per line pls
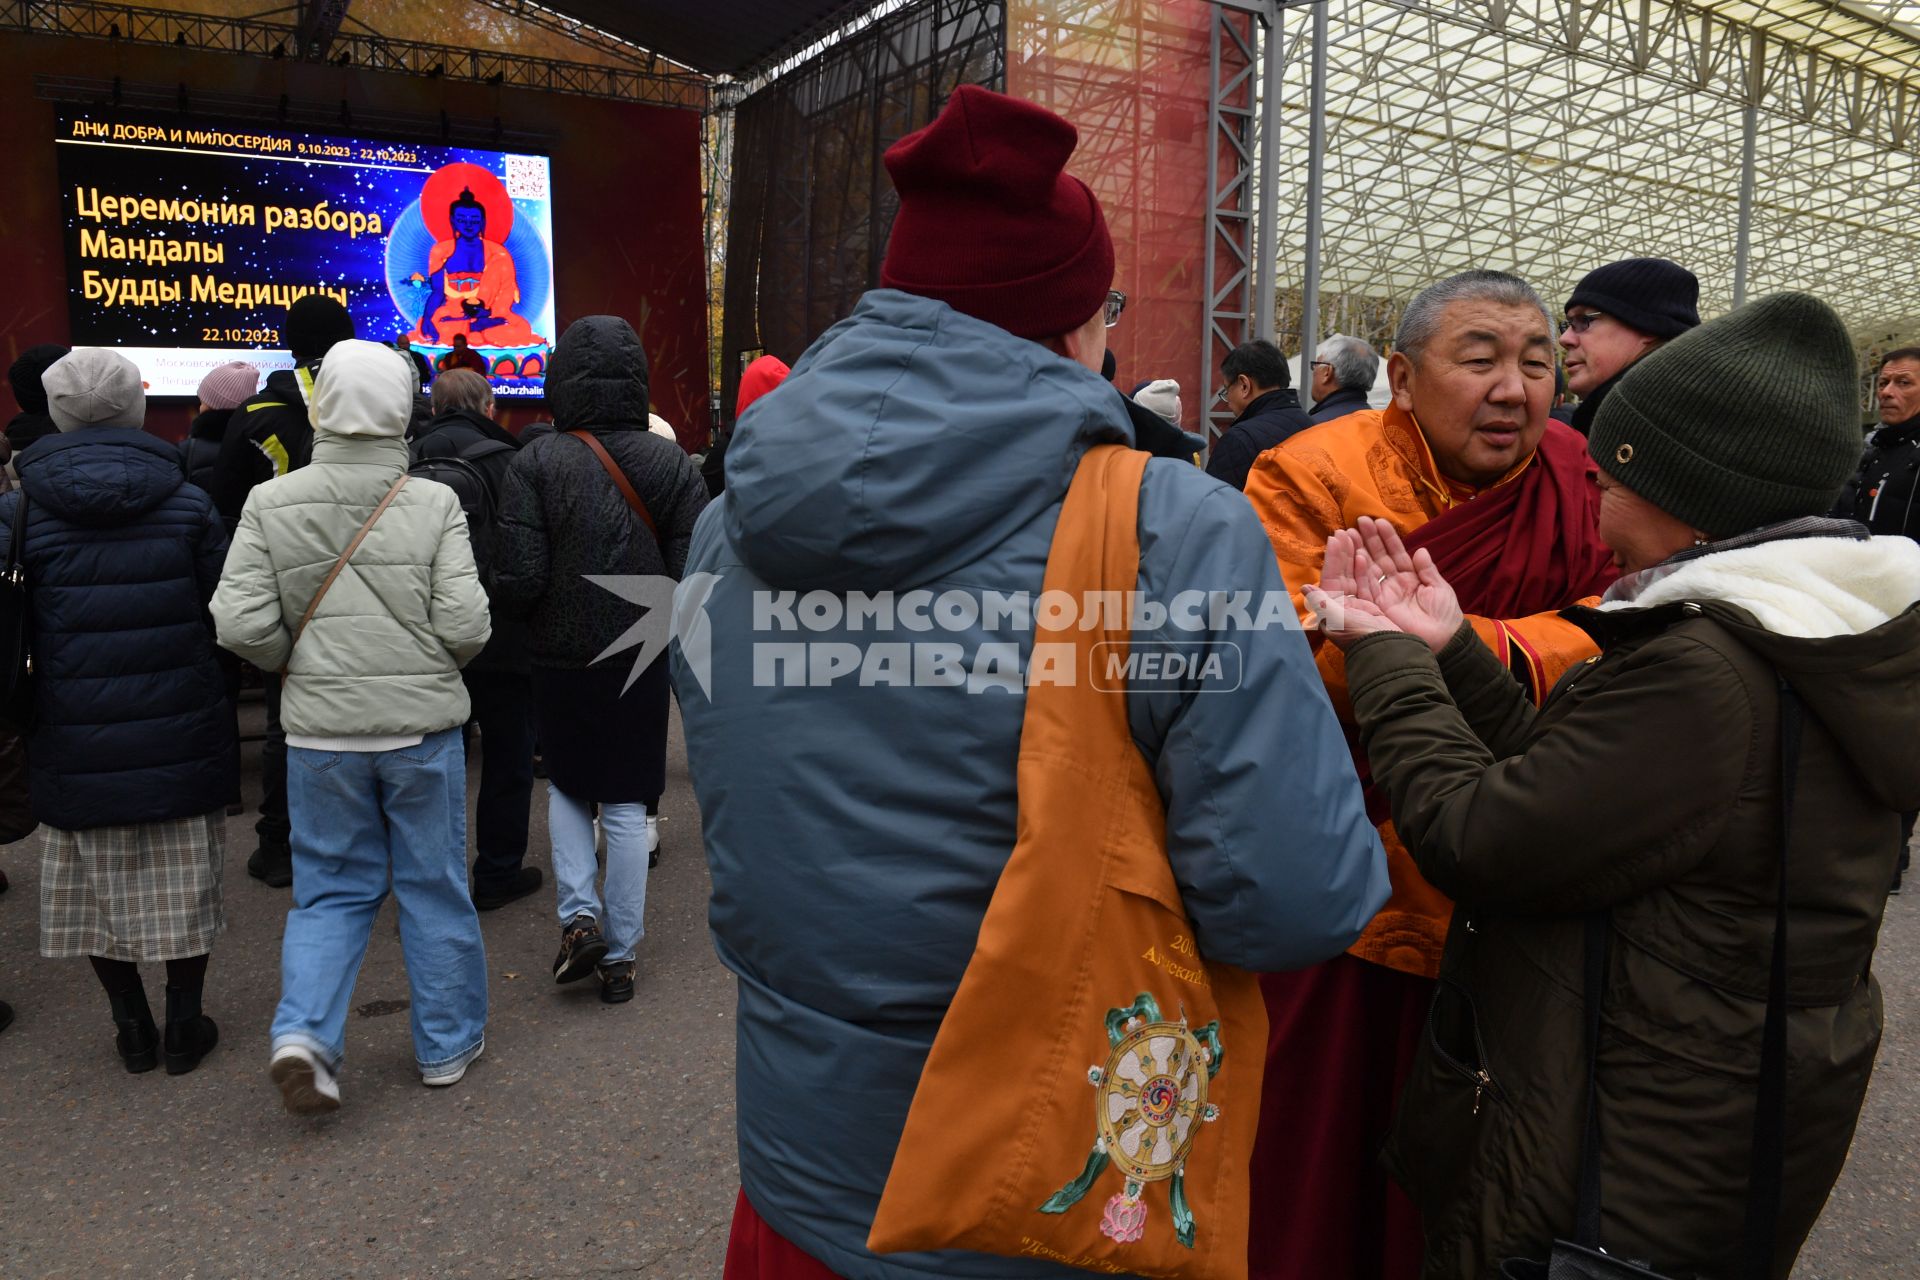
(94, 387)
(1162, 396)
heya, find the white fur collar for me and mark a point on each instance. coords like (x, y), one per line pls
(1807, 587)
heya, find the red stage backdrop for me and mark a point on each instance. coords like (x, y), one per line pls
(626, 192)
(1132, 77)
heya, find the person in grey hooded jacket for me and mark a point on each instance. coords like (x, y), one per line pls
(856, 829)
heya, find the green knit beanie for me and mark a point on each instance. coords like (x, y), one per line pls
(1747, 420)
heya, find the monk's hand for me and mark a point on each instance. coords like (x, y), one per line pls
(1341, 612)
(1405, 587)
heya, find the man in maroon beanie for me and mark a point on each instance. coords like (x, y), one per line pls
(858, 818)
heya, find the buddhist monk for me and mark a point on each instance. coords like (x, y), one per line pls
(1466, 463)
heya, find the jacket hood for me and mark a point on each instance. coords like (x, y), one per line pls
(760, 377)
(1837, 617)
(909, 440)
(363, 389)
(598, 377)
(101, 476)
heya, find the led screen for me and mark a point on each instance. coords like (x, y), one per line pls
(187, 242)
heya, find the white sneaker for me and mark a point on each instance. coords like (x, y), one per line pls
(451, 1075)
(653, 833)
(306, 1086)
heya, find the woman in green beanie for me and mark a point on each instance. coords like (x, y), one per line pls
(1618, 852)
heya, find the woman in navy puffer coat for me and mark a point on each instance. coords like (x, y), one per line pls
(131, 751)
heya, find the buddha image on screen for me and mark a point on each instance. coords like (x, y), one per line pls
(472, 287)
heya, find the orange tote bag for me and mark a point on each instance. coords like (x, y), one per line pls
(1092, 1095)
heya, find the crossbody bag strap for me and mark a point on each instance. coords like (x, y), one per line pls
(15, 567)
(1770, 1107)
(620, 481)
(313, 606)
(1586, 1217)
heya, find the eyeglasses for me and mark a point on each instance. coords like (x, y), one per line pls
(1581, 321)
(1116, 303)
(1319, 364)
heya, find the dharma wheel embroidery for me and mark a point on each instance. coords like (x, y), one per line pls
(1150, 1100)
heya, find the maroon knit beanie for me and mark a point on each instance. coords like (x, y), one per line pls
(991, 224)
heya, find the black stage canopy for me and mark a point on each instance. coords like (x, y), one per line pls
(715, 36)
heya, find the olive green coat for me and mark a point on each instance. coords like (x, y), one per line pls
(1649, 784)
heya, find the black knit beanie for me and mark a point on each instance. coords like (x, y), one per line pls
(1747, 420)
(314, 324)
(1652, 295)
(24, 375)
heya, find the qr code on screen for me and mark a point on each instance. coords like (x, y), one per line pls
(527, 177)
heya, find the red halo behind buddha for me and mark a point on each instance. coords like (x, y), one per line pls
(443, 187)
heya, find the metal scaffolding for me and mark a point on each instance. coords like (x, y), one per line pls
(1229, 265)
(1764, 144)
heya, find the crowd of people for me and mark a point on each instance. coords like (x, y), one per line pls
(1551, 763)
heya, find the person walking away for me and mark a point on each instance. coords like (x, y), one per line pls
(1344, 370)
(853, 865)
(499, 683)
(601, 497)
(1619, 314)
(1881, 493)
(1692, 968)
(131, 751)
(33, 422)
(221, 393)
(1259, 391)
(360, 588)
(272, 437)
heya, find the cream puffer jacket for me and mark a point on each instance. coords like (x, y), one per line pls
(383, 653)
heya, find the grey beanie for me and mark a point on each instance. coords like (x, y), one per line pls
(1745, 421)
(94, 387)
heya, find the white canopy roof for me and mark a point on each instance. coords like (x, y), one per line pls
(1547, 137)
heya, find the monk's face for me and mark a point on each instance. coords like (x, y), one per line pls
(1481, 389)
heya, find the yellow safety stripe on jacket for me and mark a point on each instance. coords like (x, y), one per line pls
(276, 454)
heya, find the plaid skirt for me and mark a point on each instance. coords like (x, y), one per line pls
(144, 891)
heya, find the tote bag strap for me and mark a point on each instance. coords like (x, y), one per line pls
(620, 481)
(313, 606)
(1767, 1165)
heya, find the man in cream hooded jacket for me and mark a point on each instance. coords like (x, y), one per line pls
(373, 708)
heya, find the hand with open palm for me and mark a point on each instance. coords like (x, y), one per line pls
(1370, 583)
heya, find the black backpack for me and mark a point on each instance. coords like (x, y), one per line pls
(460, 471)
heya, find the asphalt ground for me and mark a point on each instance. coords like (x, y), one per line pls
(589, 1141)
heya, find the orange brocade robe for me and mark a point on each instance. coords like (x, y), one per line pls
(1377, 463)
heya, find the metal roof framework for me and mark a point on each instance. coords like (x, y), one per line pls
(1547, 137)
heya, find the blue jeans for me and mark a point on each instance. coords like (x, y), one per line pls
(358, 817)
(570, 825)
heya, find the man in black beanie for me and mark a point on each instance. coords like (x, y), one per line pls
(1617, 314)
(32, 422)
(270, 435)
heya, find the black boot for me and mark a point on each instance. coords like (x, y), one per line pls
(272, 865)
(191, 1034)
(139, 1040)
